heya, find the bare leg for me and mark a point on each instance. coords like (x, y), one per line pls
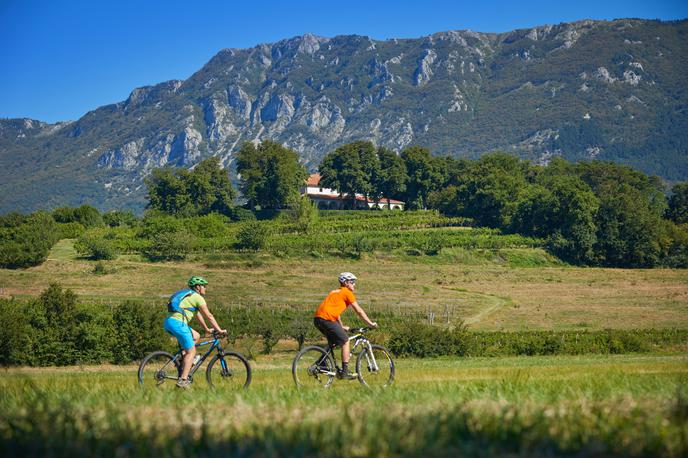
(189, 355)
(188, 361)
(345, 352)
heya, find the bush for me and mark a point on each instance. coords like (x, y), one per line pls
(28, 243)
(138, 330)
(119, 218)
(252, 236)
(93, 245)
(169, 246)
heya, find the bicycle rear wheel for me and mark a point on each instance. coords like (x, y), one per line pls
(229, 372)
(313, 367)
(375, 369)
(159, 369)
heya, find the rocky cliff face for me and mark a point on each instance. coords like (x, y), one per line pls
(605, 90)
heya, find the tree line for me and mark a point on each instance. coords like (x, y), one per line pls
(590, 213)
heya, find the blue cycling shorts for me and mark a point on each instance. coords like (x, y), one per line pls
(181, 331)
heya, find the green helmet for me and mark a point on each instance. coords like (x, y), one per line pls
(195, 280)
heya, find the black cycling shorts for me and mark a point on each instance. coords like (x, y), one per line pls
(335, 333)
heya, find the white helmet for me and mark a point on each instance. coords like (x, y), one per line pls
(346, 276)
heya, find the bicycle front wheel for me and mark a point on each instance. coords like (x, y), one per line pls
(376, 368)
(313, 367)
(229, 372)
(159, 369)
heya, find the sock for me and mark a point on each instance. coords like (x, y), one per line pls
(345, 367)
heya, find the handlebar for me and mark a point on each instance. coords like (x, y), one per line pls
(360, 330)
(219, 335)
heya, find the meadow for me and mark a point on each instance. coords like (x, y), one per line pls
(630, 404)
(626, 405)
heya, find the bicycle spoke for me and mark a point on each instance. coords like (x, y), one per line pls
(375, 369)
(229, 372)
(159, 369)
(313, 367)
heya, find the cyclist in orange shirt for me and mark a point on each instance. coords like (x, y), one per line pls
(328, 317)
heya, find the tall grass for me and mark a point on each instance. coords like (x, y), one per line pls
(623, 406)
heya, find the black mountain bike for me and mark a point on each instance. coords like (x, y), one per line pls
(317, 366)
(227, 370)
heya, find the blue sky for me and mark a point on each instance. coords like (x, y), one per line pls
(60, 59)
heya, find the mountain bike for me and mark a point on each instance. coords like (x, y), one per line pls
(317, 366)
(226, 370)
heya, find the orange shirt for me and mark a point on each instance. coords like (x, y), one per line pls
(335, 303)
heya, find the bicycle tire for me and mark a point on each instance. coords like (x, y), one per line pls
(233, 373)
(305, 372)
(156, 368)
(384, 376)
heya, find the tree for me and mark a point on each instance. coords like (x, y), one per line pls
(270, 174)
(350, 169)
(391, 178)
(629, 231)
(181, 192)
(678, 204)
(491, 189)
(425, 174)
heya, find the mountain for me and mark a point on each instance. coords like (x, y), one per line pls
(591, 89)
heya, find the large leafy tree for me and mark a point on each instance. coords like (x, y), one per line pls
(425, 175)
(350, 169)
(270, 174)
(491, 189)
(629, 231)
(391, 179)
(180, 192)
(678, 204)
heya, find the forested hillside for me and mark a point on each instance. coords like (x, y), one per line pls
(586, 90)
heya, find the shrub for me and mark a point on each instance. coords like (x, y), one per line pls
(94, 245)
(139, 330)
(169, 246)
(252, 236)
(119, 218)
(28, 243)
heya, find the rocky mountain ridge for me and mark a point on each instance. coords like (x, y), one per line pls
(591, 89)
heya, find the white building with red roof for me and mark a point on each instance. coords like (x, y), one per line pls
(330, 199)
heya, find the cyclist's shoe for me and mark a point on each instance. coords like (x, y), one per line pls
(346, 375)
(183, 383)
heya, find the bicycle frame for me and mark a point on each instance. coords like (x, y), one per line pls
(360, 340)
(179, 356)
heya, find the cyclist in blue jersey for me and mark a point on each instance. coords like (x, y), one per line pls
(177, 324)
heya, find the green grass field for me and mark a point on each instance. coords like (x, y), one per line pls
(623, 405)
(516, 289)
(601, 406)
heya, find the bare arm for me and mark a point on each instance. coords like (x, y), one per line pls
(202, 321)
(360, 312)
(339, 319)
(205, 312)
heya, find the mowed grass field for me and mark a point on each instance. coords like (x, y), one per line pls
(620, 405)
(516, 289)
(625, 405)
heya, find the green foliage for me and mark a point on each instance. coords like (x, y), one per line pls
(169, 245)
(85, 215)
(119, 218)
(94, 245)
(424, 174)
(27, 241)
(253, 236)
(138, 331)
(181, 192)
(423, 340)
(351, 168)
(678, 204)
(271, 174)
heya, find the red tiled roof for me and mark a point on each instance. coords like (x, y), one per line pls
(313, 180)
